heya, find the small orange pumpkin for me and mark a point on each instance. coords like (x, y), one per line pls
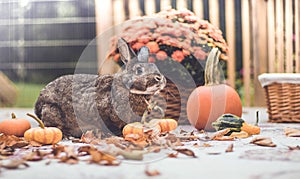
(42, 134)
(206, 103)
(140, 128)
(133, 128)
(14, 126)
(166, 125)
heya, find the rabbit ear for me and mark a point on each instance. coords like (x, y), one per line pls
(125, 50)
(143, 54)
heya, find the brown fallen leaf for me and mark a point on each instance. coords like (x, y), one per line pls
(35, 155)
(219, 134)
(85, 150)
(229, 148)
(196, 145)
(292, 132)
(35, 144)
(224, 138)
(294, 147)
(13, 164)
(263, 141)
(154, 149)
(7, 151)
(89, 138)
(12, 141)
(20, 144)
(206, 145)
(70, 157)
(240, 135)
(100, 157)
(173, 155)
(57, 150)
(187, 152)
(152, 172)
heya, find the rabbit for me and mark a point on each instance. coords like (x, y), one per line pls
(80, 102)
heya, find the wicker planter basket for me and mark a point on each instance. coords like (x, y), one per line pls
(173, 99)
(282, 96)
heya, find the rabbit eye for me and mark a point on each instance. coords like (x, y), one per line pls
(139, 70)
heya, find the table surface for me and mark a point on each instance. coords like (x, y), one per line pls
(246, 161)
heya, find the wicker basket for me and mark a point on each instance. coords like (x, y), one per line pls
(173, 101)
(282, 96)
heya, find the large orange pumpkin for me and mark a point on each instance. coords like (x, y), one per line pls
(207, 103)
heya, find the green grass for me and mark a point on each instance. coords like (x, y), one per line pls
(28, 94)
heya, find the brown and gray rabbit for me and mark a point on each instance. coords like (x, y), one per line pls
(80, 102)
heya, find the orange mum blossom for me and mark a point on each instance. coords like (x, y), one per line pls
(137, 46)
(161, 55)
(153, 47)
(177, 56)
(151, 59)
(116, 57)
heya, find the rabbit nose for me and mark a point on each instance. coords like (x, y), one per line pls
(157, 77)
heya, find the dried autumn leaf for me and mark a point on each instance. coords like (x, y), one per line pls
(173, 155)
(13, 163)
(35, 144)
(239, 135)
(7, 151)
(70, 157)
(89, 138)
(57, 150)
(35, 155)
(12, 141)
(187, 152)
(102, 158)
(206, 145)
(152, 172)
(224, 138)
(196, 145)
(154, 149)
(229, 148)
(292, 132)
(20, 144)
(219, 134)
(263, 141)
(86, 149)
(294, 147)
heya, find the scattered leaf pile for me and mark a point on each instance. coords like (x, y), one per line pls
(16, 152)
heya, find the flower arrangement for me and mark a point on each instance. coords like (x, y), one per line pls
(174, 37)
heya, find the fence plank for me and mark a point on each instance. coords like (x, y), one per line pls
(214, 12)
(230, 37)
(165, 4)
(289, 36)
(134, 9)
(271, 36)
(118, 11)
(259, 29)
(104, 20)
(246, 51)
(149, 7)
(198, 8)
(297, 36)
(181, 4)
(279, 36)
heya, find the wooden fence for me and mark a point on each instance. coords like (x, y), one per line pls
(269, 41)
